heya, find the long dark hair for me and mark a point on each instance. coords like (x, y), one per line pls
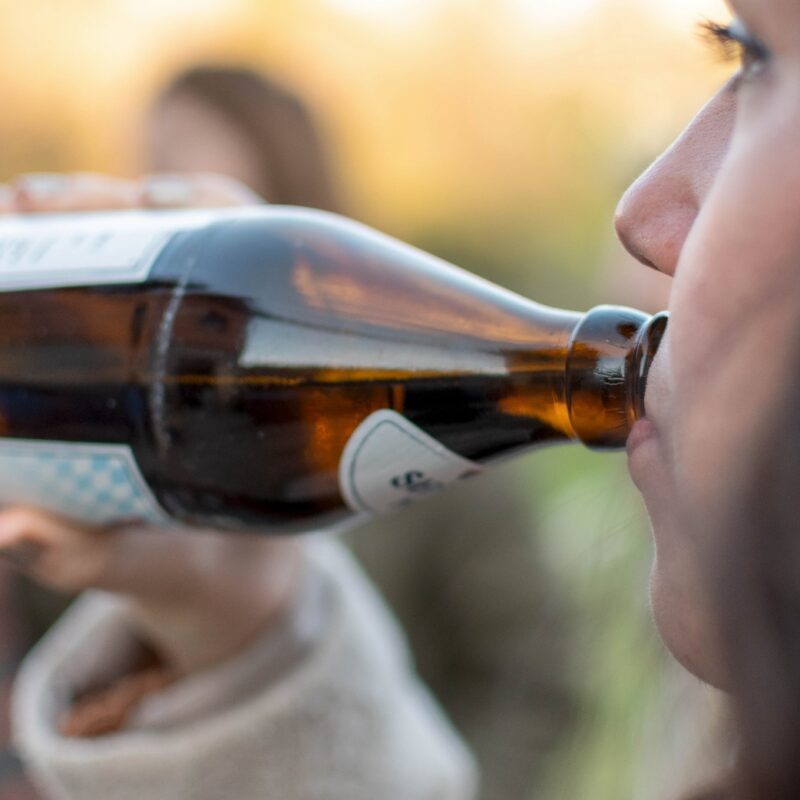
(276, 121)
(753, 571)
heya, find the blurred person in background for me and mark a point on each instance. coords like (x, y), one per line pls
(463, 572)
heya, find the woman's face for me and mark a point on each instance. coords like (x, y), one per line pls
(720, 212)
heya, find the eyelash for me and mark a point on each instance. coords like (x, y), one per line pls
(735, 43)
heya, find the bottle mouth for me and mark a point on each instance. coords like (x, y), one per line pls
(648, 341)
(608, 363)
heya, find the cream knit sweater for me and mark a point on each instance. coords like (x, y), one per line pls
(327, 708)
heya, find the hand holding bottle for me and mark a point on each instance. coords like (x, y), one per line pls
(55, 192)
(152, 360)
(198, 598)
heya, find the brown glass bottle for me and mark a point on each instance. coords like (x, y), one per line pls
(254, 346)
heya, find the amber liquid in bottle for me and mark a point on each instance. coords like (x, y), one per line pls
(256, 346)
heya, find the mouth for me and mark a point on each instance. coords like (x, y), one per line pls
(642, 445)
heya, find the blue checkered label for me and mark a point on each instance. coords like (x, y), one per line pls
(92, 483)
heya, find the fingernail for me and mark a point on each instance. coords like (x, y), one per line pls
(42, 186)
(167, 192)
(22, 555)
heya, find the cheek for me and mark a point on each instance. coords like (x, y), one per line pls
(735, 305)
(742, 255)
(735, 308)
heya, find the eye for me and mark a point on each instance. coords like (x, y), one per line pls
(734, 42)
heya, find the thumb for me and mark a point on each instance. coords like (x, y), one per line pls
(70, 557)
(59, 555)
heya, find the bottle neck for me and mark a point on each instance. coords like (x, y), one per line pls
(608, 361)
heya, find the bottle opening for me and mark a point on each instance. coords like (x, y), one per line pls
(649, 340)
(610, 355)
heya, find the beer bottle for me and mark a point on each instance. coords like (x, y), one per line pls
(279, 369)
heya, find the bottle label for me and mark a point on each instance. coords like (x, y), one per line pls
(389, 462)
(92, 483)
(55, 250)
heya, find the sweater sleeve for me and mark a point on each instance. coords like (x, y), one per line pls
(343, 718)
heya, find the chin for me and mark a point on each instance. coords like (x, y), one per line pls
(685, 627)
(677, 594)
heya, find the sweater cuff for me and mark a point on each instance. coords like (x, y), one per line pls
(115, 650)
(149, 696)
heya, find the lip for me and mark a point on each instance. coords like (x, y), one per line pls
(644, 455)
(642, 432)
(655, 396)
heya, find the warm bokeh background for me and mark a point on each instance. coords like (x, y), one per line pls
(497, 133)
(493, 123)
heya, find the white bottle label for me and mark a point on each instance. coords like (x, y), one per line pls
(92, 483)
(56, 250)
(389, 462)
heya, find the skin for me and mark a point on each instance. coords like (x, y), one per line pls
(717, 212)
(184, 134)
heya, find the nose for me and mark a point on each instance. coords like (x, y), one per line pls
(655, 216)
(657, 212)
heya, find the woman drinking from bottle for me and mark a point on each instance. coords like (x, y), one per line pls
(716, 460)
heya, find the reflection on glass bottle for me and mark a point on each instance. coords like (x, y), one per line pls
(281, 369)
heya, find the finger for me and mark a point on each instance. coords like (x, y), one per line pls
(22, 554)
(157, 566)
(7, 204)
(195, 190)
(67, 556)
(130, 559)
(56, 553)
(51, 192)
(19, 531)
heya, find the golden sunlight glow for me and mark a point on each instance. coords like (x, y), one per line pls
(441, 115)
